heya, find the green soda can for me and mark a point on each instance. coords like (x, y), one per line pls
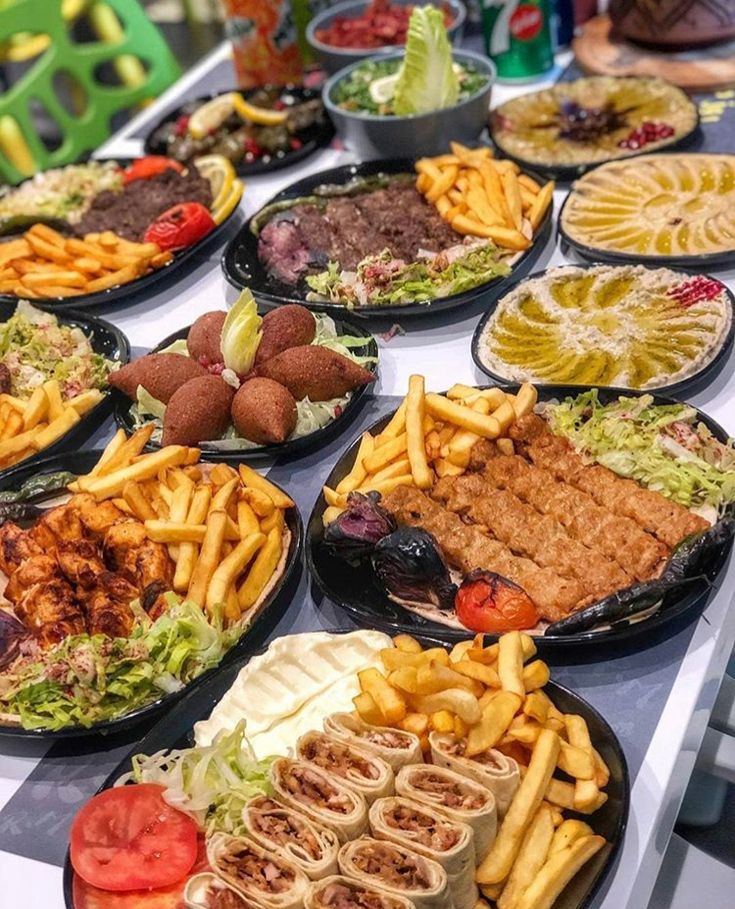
(518, 38)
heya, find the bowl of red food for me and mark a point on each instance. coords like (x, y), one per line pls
(351, 31)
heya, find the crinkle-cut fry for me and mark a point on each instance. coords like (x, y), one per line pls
(531, 857)
(261, 570)
(543, 200)
(556, 873)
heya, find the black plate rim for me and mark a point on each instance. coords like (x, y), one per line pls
(546, 644)
(673, 388)
(241, 649)
(251, 170)
(341, 174)
(555, 689)
(90, 325)
(289, 447)
(113, 295)
(687, 263)
(567, 173)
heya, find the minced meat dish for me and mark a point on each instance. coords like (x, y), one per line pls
(131, 210)
(348, 228)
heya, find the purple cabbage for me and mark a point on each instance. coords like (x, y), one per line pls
(353, 534)
(410, 565)
(12, 634)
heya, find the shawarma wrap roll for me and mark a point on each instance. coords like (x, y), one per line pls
(362, 771)
(311, 846)
(261, 876)
(321, 796)
(398, 870)
(340, 892)
(491, 768)
(458, 797)
(207, 891)
(394, 746)
(424, 829)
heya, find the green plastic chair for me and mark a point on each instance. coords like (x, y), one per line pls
(65, 69)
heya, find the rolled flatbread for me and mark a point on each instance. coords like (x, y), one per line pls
(426, 830)
(362, 771)
(339, 892)
(491, 768)
(261, 876)
(398, 870)
(321, 796)
(309, 845)
(207, 891)
(394, 746)
(456, 796)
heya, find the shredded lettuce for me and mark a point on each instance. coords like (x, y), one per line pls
(662, 446)
(212, 783)
(427, 80)
(86, 679)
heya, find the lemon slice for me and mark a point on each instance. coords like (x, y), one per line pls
(221, 175)
(261, 116)
(211, 115)
(229, 203)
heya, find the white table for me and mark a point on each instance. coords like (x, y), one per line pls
(437, 346)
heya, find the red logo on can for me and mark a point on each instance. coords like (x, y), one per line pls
(526, 22)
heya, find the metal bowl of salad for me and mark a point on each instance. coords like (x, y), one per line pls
(417, 100)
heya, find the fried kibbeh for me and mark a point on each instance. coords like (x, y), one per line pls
(264, 411)
(315, 372)
(204, 339)
(198, 411)
(283, 328)
(161, 374)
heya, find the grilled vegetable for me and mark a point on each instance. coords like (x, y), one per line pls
(411, 567)
(12, 635)
(489, 603)
(41, 485)
(19, 511)
(353, 535)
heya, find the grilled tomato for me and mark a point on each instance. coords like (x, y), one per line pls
(180, 226)
(489, 603)
(150, 166)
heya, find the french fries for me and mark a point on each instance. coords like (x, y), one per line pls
(44, 264)
(430, 435)
(483, 197)
(225, 530)
(492, 698)
(30, 426)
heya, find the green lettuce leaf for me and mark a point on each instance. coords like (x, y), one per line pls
(241, 334)
(427, 81)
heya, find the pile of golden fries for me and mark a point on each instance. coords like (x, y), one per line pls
(32, 425)
(43, 263)
(225, 529)
(483, 197)
(430, 436)
(492, 697)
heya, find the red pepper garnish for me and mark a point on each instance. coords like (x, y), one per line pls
(150, 166)
(695, 290)
(489, 603)
(180, 226)
(182, 125)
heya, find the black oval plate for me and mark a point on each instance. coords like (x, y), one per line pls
(243, 268)
(566, 173)
(314, 137)
(116, 294)
(688, 263)
(105, 339)
(268, 612)
(175, 731)
(707, 371)
(124, 418)
(356, 591)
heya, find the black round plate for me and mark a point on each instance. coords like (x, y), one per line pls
(175, 731)
(243, 268)
(356, 590)
(314, 137)
(688, 263)
(268, 612)
(714, 366)
(125, 420)
(106, 339)
(116, 294)
(565, 173)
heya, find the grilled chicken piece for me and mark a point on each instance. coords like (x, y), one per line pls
(36, 569)
(127, 549)
(97, 517)
(80, 561)
(51, 611)
(16, 545)
(107, 605)
(60, 523)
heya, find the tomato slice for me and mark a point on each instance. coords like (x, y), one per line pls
(180, 226)
(150, 166)
(490, 603)
(128, 838)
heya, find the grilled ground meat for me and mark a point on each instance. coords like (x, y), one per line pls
(355, 896)
(338, 758)
(396, 867)
(422, 827)
(458, 748)
(312, 788)
(282, 826)
(349, 228)
(453, 795)
(388, 738)
(6, 380)
(130, 211)
(246, 865)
